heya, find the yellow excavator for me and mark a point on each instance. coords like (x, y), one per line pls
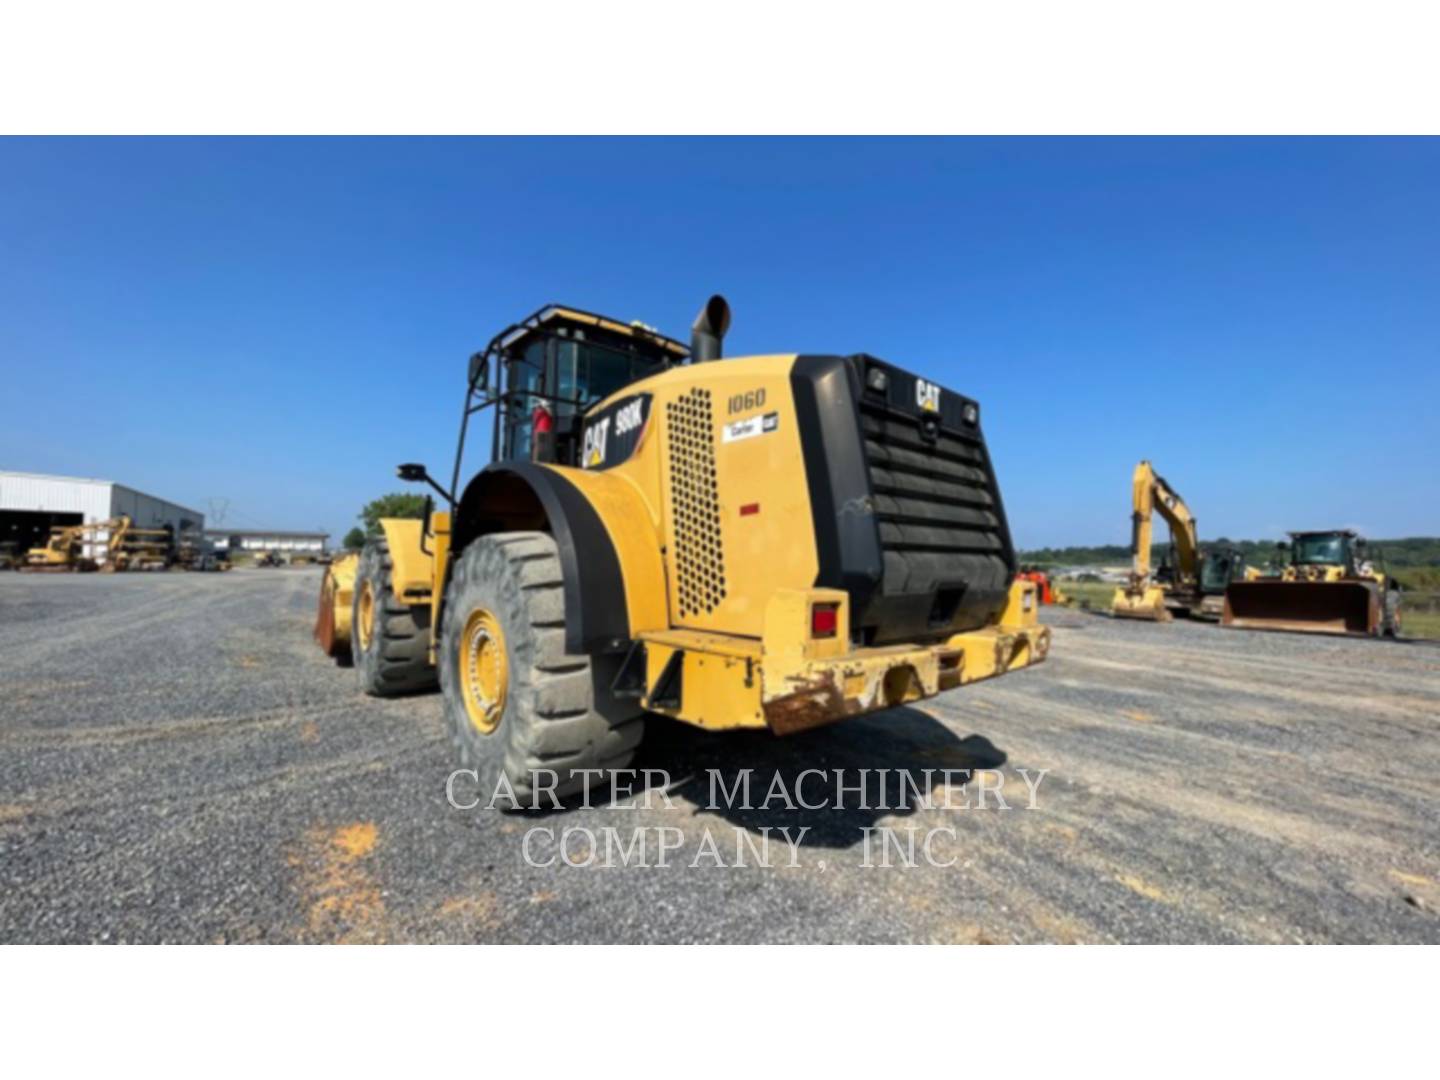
(768, 542)
(1329, 584)
(71, 547)
(1193, 581)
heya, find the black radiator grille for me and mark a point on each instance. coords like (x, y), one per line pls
(942, 532)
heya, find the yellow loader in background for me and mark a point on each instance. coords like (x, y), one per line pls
(1328, 585)
(770, 542)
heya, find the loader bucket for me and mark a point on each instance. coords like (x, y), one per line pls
(1134, 604)
(1313, 607)
(332, 620)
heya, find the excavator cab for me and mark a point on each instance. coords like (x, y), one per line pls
(1218, 568)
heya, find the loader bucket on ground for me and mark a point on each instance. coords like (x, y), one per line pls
(1315, 607)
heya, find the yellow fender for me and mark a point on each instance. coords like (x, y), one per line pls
(412, 568)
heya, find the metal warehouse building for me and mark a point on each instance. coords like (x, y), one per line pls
(276, 540)
(31, 504)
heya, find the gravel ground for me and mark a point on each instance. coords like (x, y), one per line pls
(179, 763)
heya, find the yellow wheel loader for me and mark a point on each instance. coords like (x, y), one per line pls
(769, 542)
(1328, 585)
(1193, 581)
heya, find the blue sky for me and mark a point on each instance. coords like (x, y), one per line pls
(278, 322)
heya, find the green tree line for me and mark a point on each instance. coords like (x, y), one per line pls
(1410, 552)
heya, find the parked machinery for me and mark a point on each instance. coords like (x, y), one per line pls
(1329, 584)
(1192, 581)
(132, 548)
(73, 547)
(1046, 590)
(771, 542)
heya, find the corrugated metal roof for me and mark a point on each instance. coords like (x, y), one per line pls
(51, 476)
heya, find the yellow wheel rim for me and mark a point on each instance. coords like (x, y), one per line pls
(366, 615)
(484, 670)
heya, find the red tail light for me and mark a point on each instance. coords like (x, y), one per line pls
(824, 618)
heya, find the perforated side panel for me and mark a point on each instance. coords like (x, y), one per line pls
(698, 559)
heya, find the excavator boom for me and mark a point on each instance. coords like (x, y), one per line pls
(1141, 597)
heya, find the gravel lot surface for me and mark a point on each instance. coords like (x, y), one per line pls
(179, 763)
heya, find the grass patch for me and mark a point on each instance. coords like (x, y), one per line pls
(1419, 612)
(1088, 595)
(1421, 624)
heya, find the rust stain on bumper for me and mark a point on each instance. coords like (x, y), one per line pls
(814, 704)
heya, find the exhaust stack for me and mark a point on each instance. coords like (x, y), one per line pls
(708, 331)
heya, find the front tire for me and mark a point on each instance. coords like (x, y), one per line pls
(390, 641)
(519, 706)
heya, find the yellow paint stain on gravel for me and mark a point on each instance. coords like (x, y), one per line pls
(1138, 715)
(13, 812)
(1144, 888)
(481, 910)
(544, 896)
(1399, 875)
(309, 732)
(248, 662)
(1057, 928)
(356, 840)
(342, 899)
(1068, 833)
(966, 934)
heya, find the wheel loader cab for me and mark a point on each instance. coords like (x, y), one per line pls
(1323, 549)
(544, 372)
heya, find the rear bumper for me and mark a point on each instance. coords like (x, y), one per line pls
(871, 679)
(787, 682)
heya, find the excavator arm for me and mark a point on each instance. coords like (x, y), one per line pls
(1140, 597)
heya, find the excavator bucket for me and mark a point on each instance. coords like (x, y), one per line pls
(1312, 607)
(1148, 603)
(332, 620)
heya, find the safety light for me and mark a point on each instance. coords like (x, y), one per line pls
(824, 618)
(877, 379)
(971, 413)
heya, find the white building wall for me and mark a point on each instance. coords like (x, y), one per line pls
(279, 543)
(94, 500)
(55, 495)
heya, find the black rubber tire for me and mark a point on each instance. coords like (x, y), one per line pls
(396, 661)
(1390, 613)
(559, 713)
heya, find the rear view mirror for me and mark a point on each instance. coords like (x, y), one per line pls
(479, 370)
(411, 473)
